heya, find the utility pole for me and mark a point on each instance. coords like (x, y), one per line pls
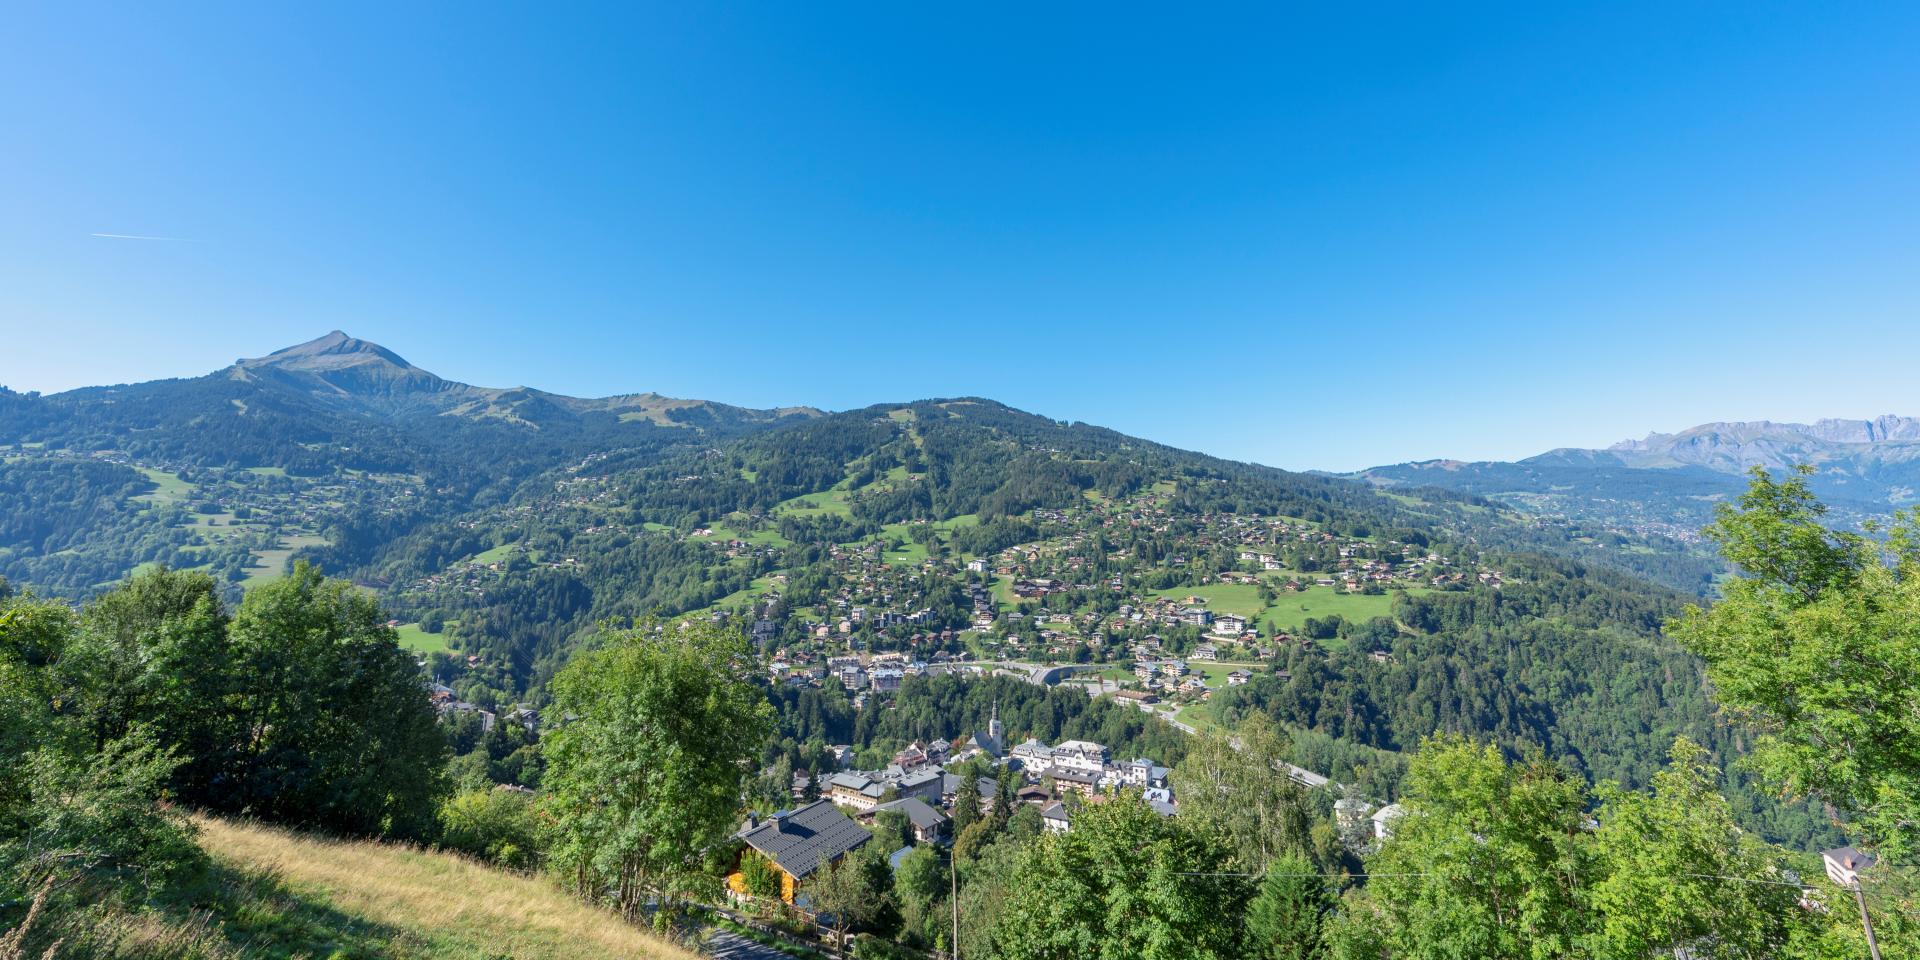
(1860, 897)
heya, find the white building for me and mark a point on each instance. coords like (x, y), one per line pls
(1084, 756)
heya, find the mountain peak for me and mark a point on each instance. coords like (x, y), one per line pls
(334, 350)
(339, 365)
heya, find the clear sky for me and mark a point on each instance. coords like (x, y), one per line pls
(1330, 236)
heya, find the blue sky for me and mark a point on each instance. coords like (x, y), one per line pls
(1310, 237)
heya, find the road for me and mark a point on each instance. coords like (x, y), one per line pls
(727, 945)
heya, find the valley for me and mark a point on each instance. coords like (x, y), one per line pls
(498, 528)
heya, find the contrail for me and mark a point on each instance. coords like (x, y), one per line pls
(128, 236)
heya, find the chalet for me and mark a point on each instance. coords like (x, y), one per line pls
(927, 824)
(1205, 651)
(1055, 818)
(1229, 624)
(1238, 678)
(799, 844)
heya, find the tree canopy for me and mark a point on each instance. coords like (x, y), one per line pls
(661, 723)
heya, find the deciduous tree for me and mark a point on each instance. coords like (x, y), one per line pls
(644, 775)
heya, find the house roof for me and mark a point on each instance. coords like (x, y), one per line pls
(1074, 776)
(851, 781)
(920, 778)
(918, 813)
(952, 781)
(805, 839)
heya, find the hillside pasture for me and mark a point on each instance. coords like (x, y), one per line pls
(399, 901)
(418, 640)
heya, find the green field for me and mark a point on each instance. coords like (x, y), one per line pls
(1236, 598)
(420, 641)
(832, 502)
(1290, 612)
(270, 565)
(738, 598)
(1216, 673)
(1293, 609)
(168, 487)
(1002, 591)
(1199, 716)
(494, 555)
(963, 520)
(766, 536)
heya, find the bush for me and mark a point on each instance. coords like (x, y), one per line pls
(500, 825)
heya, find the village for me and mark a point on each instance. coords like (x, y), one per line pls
(926, 784)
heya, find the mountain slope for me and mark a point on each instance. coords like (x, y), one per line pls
(326, 442)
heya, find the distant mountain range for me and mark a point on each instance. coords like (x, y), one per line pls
(1669, 482)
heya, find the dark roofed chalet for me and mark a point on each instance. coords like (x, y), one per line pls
(800, 843)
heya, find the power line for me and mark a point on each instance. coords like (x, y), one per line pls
(1356, 876)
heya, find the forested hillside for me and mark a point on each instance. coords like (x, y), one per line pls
(502, 526)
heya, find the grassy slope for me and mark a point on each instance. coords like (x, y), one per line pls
(418, 904)
(415, 638)
(1292, 609)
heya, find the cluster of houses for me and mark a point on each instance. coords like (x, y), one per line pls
(446, 702)
(921, 784)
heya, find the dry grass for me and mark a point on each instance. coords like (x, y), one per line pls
(447, 904)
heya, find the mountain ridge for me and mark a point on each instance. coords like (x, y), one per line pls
(1670, 483)
(344, 370)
